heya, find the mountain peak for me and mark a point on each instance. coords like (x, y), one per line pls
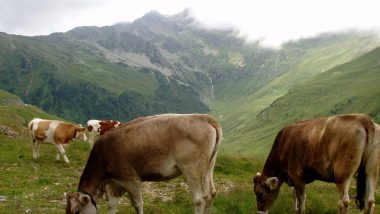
(152, 14)
(186, 13)
(185, 16)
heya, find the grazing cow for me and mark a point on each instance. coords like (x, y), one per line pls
(99, 127)
(154, 148)
(56, 132)
(330, 149)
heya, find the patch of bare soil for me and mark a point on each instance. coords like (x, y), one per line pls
(165, 191)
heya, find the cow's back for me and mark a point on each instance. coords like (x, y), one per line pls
(149, 144)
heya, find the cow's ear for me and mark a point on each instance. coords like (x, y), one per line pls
(69, 195)
(257, 176)
(272, 183)
(84, 199)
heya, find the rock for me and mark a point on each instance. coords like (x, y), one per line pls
(5, 130)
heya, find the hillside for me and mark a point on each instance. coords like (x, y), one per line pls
(351, 87)
(66, 78)
(305, 59)
(15, 115)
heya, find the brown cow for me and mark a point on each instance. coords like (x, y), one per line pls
(330, 149)
(99, 127)
(154, 148)
(55, 132)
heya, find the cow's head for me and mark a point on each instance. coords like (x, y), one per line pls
(266, 190)
(79, 203)
(80, 133)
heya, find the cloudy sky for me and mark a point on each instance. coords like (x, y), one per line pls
(271, 21)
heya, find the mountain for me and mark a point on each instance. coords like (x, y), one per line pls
(176, 47)
(335, 76)
(75, 79)
(154, 65)
(350, 87)
(160, 64)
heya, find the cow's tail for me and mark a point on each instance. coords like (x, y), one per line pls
(30, 128)
(218, 128)
(369, 157)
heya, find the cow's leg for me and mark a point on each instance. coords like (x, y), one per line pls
(34, 148)
(57, 156)
(300, 198)
(343, 195)
(38, 149)
(111, 198)
(194, 176)
(133, 187)
(372, 174)
(112, 204)
(210, 187)
(91, 139)
(345, 166)
(369, 206)
(296, 203)
(61, 150)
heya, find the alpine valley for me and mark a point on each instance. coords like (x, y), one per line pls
(160, 64)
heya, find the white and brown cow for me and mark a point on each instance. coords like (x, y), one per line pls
(330, 149)
(154, 148)
(99, 127)
(55, 132)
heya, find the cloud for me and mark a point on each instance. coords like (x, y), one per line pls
(271, 21)
(276, 21)
(41, 16)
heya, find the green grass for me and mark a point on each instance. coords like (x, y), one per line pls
(38, 186)
(113, 77)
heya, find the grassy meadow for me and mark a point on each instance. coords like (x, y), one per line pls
(38, 186)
